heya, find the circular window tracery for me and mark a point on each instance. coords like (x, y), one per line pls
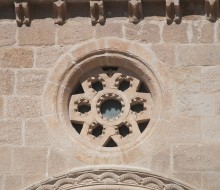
(110, 107)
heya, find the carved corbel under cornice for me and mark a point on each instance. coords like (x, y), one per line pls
(211, 8)
(60, 11)
(22, 12)
(135, 11)
(173, 11)
(97, 11)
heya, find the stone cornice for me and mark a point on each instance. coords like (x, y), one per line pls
(97, 9)
(112, 177)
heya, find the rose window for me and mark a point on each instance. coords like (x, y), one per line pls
(110, 108)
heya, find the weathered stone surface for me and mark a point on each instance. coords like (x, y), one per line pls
(13, 182)
(7, 79)
(132, 31)
(29, 160)
(198, 55)
(7, 34)
(196, 105)
(32, 178)
(165, 53)
(210, 129)
(1, 106)
(196, 157)
(5, 159)
(30, 82)
(160, 162)
(211, 79)
(150, 33)
(16, 58)
(41, 33)
(109, 29)
(47, 56)
(36, 133)
(23, 107)
(184, 129)
(10, 132)
(192, 178)
(203, 32)
(186, 79)
(210, 180)
(72, 33)
(175, 33)
(1, 182)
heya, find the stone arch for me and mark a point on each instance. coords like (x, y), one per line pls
(110, 177)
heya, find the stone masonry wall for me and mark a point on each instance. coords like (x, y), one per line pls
(189, 147)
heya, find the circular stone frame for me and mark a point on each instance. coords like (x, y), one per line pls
(105, 52)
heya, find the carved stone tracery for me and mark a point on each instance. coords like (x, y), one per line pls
(114, 104)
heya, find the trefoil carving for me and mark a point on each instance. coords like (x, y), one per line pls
(60, 11)
(173, 11)
(97, 11)
(135, 11)
(22, 12)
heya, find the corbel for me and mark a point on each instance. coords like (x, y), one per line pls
(60, 11)
(135, 11)
(97, 11)
(173, 11)
(211, 8)
(22, 12)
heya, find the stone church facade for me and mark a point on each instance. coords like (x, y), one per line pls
(109, 94)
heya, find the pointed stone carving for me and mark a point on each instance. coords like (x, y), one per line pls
(60, 11)
(97, 11)
(211, 7)
(22, 12)
(135, 11)
(173, 11)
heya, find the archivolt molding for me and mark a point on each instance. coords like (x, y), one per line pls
(114, 178)
(97, 10)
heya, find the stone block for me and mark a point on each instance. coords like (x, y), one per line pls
(1, 106)
(36, 133)
(7, 79)
(46, 57)
(72, 33)
(23, 107)
(196, 105)
(210, 180)
(210, 129)
(32, 178)
(165, 53)
(186, 79)
(41, 33)
(1, 182)
(13, 182)
(5, 159)
(175, 33)
(109, 29)
(203, 32)
(7, 34)
(31, 82)
(196, 157)
(211, 79)
(29, 160)
(132, 31)
(198, 55)
(191, 178)
(160, 162)
(150, 33)
(10, 132)
(184, 130)
(217, 99)
(16, 58)
(187, 158)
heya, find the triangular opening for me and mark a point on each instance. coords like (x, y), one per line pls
(78, 127)
(143, 125)
(143, 88)
(110, 143)
(78, 89)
